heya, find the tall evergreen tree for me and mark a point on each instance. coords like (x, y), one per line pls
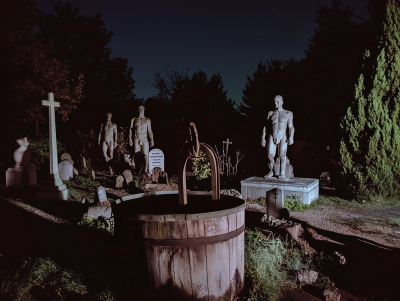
(370, 147)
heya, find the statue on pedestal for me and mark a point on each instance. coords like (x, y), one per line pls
(275, 130)
(108, 132)
(141, 126)
(22, 174)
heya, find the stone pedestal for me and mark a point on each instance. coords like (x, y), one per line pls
(306, 189)
(21, 176)
(54, 189)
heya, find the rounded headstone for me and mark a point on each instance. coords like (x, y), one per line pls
(65, 156)
(101, 194)
(70, 161)
(128, 176)
(119, 182)
(65, 170)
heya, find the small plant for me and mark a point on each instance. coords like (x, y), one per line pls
(201, 166)
(96, 223)
(296, 206)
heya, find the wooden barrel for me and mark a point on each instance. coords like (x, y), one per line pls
(193, 252)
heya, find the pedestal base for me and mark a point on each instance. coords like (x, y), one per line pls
(61, 193)
(21, 176)
(305, 189)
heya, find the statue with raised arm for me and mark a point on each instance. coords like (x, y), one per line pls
(108, 133)
(275, 130)
(141, 126)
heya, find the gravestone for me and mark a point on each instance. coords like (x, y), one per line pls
(70, 161)
(101, 194)
(156, 159)
(128, 176)
(275, 204)
(119, 182)
(65, 156)
(54, 188)
(65, 170)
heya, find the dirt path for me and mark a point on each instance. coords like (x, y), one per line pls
(365, 224)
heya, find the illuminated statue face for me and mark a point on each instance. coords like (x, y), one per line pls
(109, 115)
(141, 110)
(278, 102)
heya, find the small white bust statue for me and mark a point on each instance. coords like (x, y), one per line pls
(22, 155)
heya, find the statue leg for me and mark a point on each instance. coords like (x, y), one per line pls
(282, 156)
(105, 147)
(271, 156)
(111, 147)
(145, 149)
(136, 155)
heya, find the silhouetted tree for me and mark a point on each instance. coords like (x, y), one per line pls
(370, 148)
(83, 42)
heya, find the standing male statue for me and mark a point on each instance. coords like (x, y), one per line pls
(142, 126)
(108, 131)
(275, 128)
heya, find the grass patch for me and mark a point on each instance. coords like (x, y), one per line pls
(358, 202)
(271, 264)
(85, 182)
(370, 224)
(44, 280)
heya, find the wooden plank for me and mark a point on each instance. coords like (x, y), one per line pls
(151, 229)
(232, 222)
(240, 219)
(164, 230)
(233, 272)
(218, 271)
(179, 230)
(153, 268)
(198, 272)
(195, 228)
(240, 262)
(181, 274)
(215, 226)
(166, 282)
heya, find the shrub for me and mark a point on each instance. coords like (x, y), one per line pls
(96, 223)
(39, 148)
(85, 182)
(201, 166)
(296, 206)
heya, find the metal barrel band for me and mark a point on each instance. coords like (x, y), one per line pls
(194, 241)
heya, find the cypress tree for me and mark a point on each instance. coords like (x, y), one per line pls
(370, 147)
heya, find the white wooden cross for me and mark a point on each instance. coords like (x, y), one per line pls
(227, 145)
(54, 176)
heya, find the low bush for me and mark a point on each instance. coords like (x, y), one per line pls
(96, 223)
(296, 206)
(201, 166)
(85, 182)
(44, 280)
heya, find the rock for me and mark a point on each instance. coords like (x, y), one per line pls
(232, 192)
(331, 295)
(340, 258)
(307, 276)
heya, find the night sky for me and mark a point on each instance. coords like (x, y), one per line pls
(218, 36)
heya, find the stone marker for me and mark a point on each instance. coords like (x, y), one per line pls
(22, 174)
(101, 194)
(75, 171)
(156, 159)
(111, 170)
(65, 170)
(119, 182)
(65, 156)
(70, 161)
(128, 176)
(275, 203)
(54, 188)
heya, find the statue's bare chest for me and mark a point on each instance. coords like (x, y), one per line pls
(140, 123)
(279, 117)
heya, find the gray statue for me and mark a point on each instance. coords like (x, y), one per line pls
(108, 133)
(141, 126)
(275, 128)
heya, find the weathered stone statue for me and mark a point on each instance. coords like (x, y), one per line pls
(141, 126)
(108, 133)
(275, 129)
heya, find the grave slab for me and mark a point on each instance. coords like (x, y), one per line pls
(156, 159)
(305, 188)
